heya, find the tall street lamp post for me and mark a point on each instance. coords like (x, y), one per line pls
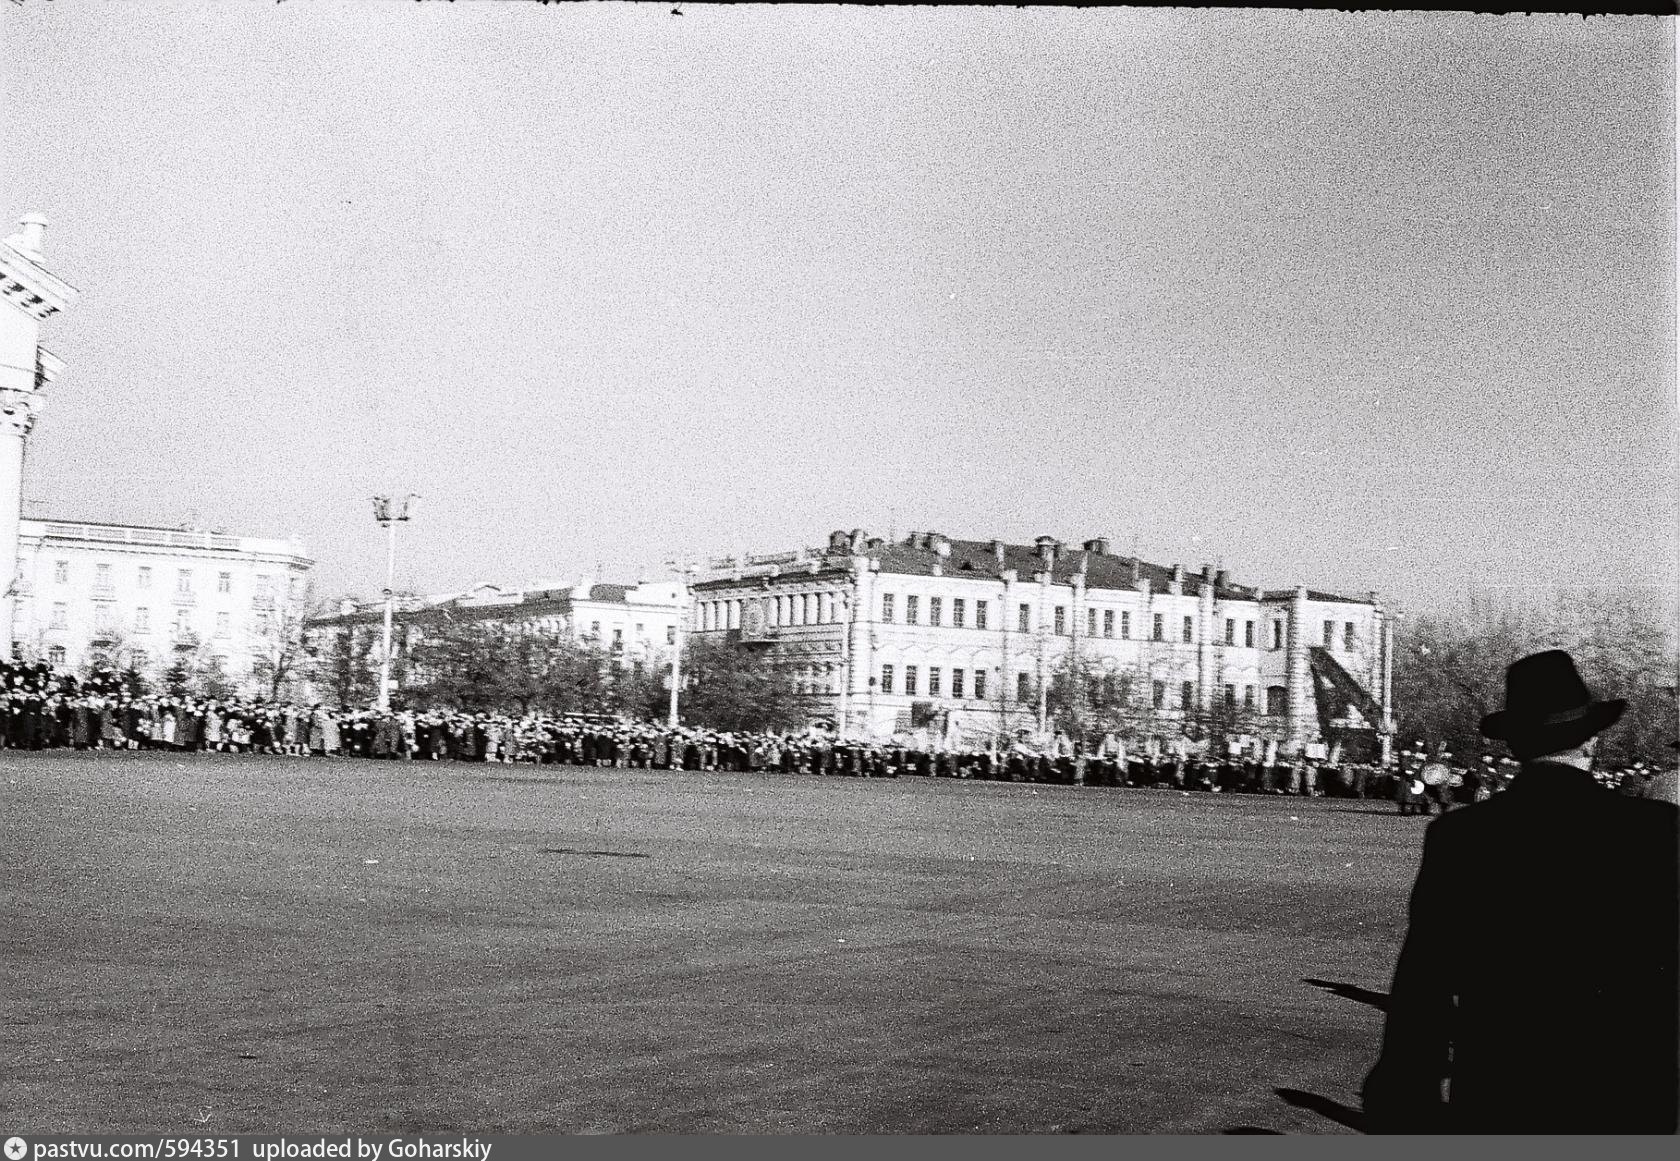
(388, 518)
(684, 573)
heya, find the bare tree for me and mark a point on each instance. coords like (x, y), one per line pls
(279, 647)
(1449, 670)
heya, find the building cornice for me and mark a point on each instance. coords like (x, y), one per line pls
(29, 286)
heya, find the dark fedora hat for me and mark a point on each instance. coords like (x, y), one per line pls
(1548, 707)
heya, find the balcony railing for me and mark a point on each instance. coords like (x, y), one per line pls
(185, 598)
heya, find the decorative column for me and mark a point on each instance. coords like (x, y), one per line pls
(32, 295)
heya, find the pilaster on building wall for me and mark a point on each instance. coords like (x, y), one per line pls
(944, 631)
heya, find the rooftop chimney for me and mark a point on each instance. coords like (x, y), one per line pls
(31, 234)
(941, 545)
(1047, 550)
(1098, 546)
(1219, 579)
(997, 552)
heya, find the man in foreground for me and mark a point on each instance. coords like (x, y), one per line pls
(1536, 990)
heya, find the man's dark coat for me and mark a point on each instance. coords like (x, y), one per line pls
(1538, 977)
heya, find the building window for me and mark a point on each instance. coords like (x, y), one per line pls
(670, 634)
(979, 683)
(223, 624)
(1061, 621)
(886, 608)
(224, 582)
(55, 655)
(102, 576)
(933, 681)
(1329, 634)
(1347, 636)
(104, 617)
(1186, 695)
(183, 622)
(61, 572)
(910, 680)
(145, 576)
(1277, 635)
(979, 614)
(1189, 629)
(1159, 632)
(595, 630)
(957, 683)
(183, 580)
(911, 613)
(959, 612)
(886, 679)
(935, 609)
(1026, 619)
(1248, 698)
(1277, 701)
(1248, 634)
(138, 659)
(60, 615)
(142, 620)
(641, 630)
(1230, 631)
(1230, 697)
(1125, 625)
(1108, 622)
(1023, 687)
(618, 641)
(1090, 622)
(1157, 693)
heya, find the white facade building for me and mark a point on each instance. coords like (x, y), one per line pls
(637, 623)
(880, 638)
(147, 596)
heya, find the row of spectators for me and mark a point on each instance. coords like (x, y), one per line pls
(45, 709)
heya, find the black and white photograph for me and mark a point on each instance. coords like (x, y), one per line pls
(752, 570)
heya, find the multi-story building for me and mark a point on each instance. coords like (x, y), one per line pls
(145, 597)
(882, 637)
(139, 596)
(636, 624)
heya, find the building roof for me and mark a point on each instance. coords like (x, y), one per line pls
(918, 553)
(528, 605)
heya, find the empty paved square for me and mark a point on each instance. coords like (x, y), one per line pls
(243, 944)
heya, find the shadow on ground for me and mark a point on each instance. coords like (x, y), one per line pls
(1332, 1110)
(1359, 995)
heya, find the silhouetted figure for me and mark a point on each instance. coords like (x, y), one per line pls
(1544, 1000)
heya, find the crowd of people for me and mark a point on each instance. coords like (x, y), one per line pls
(47, 709)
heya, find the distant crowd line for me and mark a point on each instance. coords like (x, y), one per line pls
(45, 709)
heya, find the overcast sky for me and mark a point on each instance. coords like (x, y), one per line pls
(1362, 301)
